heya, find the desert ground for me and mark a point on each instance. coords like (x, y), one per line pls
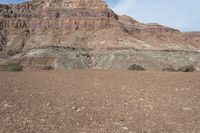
(99, 101)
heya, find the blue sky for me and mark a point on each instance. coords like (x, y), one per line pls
(180, 14)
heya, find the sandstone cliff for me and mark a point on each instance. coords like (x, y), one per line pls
(23, 21)
(88, 25)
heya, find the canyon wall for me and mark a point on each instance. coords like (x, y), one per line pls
(91, 26)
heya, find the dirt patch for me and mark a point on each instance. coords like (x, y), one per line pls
(99, 101)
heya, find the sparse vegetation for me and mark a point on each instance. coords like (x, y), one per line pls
(136, 68)
(169, 69)
(48, 67)
(181, 69)
(11, 67)
(186, 69)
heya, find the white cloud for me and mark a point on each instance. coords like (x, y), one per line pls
(124, 6)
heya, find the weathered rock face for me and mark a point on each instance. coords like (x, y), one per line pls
(41, 23)
(68, 20)
(21, 21)
(73, 4)
(161, 37)
(88, 25)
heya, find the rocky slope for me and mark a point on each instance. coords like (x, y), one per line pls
(70, 34)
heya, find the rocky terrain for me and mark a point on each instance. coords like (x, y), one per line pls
(68, 34)
(98, 101)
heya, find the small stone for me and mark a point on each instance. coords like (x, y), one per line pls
(74, 108)
(78, 110)
(48, 104)
(8, 118)
(141, 99)
(187, 109)
(42, 120)
(125, 103)
(149, 106)
(5, 105)
(125, 128)
(116, 123)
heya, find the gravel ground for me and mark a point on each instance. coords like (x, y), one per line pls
(99, 101)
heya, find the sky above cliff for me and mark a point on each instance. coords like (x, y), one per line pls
(179, 14)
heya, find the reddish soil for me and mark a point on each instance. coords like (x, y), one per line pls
(99, 102)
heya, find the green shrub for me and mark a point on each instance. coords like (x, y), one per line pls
(187, 69)
(48, 67)
(12, 67)
(136, 68)
(169, 69)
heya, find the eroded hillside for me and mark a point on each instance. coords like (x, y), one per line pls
(87, 34)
